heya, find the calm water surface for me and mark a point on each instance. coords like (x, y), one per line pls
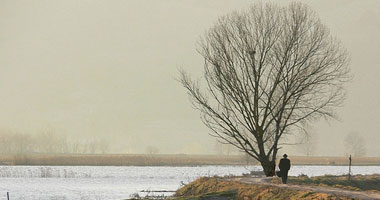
(99, 182)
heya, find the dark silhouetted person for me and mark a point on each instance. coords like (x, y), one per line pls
(284, 168)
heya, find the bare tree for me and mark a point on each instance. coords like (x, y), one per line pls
(354, 144)
(152, 150)
(103, 146)
(15, 142)
(74, 146)
(97, 145)
(223, 149)
(267, 71)
(92, 146)
(307, 143)
(48, 141)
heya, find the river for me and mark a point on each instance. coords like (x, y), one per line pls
(107, 182)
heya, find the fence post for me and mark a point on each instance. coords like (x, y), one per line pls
(349, 169)
(8, 195)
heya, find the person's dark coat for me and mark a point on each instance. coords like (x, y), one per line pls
(284, 168)
(284, 164)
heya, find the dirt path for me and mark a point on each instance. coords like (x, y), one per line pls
(337, 191)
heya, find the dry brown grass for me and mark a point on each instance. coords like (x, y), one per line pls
(119, 160)
(304, 160)
(357, 182)
(205, 185)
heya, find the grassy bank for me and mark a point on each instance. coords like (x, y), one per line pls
(203, 187)
(357, 182)
(223, 188)
(163, 160)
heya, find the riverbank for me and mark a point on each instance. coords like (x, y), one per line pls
(302, 187)
(164, 160)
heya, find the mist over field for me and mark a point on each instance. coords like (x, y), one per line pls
(105, 73)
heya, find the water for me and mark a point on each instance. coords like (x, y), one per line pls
(107, 182)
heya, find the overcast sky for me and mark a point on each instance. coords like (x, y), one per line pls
(94, 68)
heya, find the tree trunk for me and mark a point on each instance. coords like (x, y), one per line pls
(269, 166)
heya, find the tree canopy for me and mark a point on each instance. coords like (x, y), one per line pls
(268, 70)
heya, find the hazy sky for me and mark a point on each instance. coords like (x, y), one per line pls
(107, 69)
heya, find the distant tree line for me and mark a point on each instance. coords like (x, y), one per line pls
(12, 142)
(354, 144)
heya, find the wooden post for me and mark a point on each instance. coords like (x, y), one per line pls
(8, 195)
(349, 169)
